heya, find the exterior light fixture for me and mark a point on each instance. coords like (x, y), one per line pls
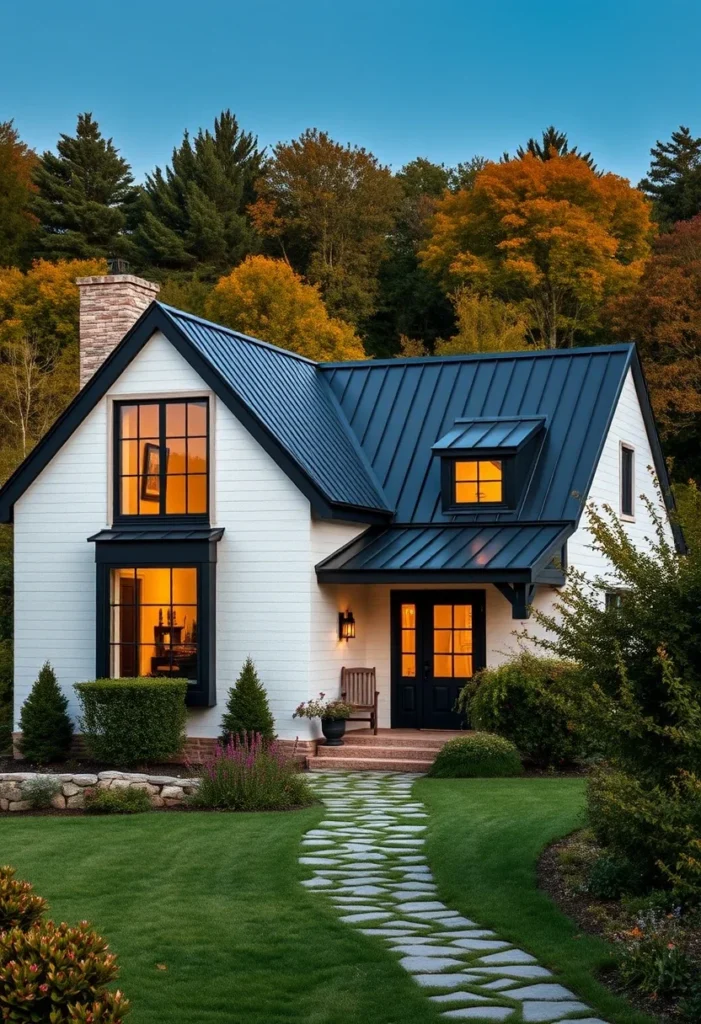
(346, 625)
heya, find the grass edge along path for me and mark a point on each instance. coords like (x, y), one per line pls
(484, 840)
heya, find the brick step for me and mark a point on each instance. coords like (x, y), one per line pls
(388, 740)
(368, 764)
(379, 751)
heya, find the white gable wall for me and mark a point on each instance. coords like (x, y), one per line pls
(263, 565)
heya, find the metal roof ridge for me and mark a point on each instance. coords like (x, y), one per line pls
(173, 311)
(622, 346)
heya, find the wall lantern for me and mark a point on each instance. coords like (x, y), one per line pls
(346, 625)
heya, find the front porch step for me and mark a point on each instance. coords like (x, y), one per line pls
(361, 763)
(391, 738)
(378, 751)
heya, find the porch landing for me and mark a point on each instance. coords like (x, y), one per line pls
(392, 750)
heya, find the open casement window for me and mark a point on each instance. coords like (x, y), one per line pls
(161, 459)
(156, 612)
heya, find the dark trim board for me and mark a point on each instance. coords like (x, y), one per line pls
(201, 555)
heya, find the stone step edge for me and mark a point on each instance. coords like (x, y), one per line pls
(380, 753)
(318, 764)
(425, 742)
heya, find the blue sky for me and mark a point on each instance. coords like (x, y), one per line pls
(445, 79)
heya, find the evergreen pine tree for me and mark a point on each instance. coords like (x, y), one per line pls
(551, 141)
(247, 708)
(674, 180)
(194, 214)
(85, 196)
(46, 728)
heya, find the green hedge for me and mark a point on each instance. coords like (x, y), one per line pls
(526, 701)
(127, 721)
(477, 755)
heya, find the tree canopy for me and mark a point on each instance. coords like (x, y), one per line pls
(193, 215)
(674, 179)
(328, 210)
(552, 143)
(663, 314)
(552, 235)
(17, 223)
(267, 299)
(84, 196)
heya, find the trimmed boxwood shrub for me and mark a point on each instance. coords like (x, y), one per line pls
(525, 700)
(476, 755)
(128, 721)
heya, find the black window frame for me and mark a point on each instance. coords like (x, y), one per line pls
(508, 482)
(627, 481)
(162, 516)
(201, 555)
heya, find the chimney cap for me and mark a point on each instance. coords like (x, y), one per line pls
(115, 265)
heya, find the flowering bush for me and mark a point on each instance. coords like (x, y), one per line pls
(334, 709)
(248, 774)
(653, 959)
(19, 906)
(56, 973)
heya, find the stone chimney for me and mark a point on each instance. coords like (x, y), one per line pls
(109, 306)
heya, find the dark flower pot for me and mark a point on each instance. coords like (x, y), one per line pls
(333, 729)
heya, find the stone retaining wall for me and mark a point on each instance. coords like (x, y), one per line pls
(164, 790)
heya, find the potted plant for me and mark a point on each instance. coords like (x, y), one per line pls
(333, 714)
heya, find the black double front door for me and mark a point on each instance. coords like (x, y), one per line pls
(438, 643)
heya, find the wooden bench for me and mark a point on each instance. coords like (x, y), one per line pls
(359, 689)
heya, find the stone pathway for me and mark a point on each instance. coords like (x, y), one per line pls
(367, 858)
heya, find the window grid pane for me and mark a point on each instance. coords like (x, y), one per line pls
(452, 641)
(479, 482)
(175, 432)
(154, 622)
(408, 621)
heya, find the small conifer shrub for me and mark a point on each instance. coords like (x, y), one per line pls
(247, 709)
(46, 727)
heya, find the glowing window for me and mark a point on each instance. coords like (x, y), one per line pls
(162, 458)
(478, 482)
(452, 641)
(154, 623)
(409, 641)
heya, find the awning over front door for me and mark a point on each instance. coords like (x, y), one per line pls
(451, 553)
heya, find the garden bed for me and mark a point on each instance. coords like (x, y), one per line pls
(562, 875)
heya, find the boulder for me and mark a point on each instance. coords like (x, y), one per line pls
(20, 805)
(70, 789)
(10, 791)
(110, 775)
(120, 784)
(146, 786)
(157, 801)
(76, 801)
(162, 780)
(58, 802)
(172, 793)
(84, 780)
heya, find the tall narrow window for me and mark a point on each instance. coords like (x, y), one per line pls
(161, 458)
(627, 481)
(409, 640)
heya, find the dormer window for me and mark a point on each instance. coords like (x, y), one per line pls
(485, 463)
(161, 458)
(480, 482)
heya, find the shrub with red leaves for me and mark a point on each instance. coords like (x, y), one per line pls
(19, 906)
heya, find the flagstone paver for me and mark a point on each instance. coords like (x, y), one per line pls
(373, 869)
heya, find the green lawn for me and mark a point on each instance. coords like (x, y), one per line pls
(216, 899)
(484, 842)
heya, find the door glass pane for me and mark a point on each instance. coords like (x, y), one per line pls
(409, 665)
(408, 616)
(463, 666)
(442, 616)
(463, 641)
(408, 641)
(442, 641)
(462, 615)
(442, 666)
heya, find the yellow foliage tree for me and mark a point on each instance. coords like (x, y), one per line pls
(552, 235)
(267, 299)
(38, 350)
(485, 324)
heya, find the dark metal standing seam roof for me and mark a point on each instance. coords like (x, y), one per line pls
(399, 409)
(293, 400)
(499, 552)
(508, 434)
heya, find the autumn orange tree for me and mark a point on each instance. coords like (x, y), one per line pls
(663, 315)
(267, 299)
(551, 235)
(328, 209)
(17, 223)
